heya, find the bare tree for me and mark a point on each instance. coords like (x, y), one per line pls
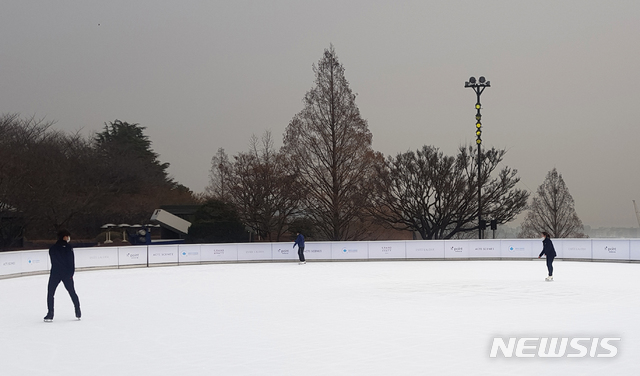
(49, 177)
(552, 210)
(264, 187)
(330, 144)
(501, 200)
(18, 137)
(435, 195)
(219, 176)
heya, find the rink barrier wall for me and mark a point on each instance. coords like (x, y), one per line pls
(37, 261)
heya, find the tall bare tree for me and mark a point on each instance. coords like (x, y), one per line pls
(220, 177)
(330, 144)
(435, 195)
(552, 210)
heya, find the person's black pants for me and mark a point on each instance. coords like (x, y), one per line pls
(301, 254)
(54, 281)
(550, 265)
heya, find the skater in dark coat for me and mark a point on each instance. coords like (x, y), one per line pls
(62, 270)
(300, 243)
(550, 252)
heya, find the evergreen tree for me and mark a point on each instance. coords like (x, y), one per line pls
(127, 155)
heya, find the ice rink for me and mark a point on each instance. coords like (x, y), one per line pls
(322, 318)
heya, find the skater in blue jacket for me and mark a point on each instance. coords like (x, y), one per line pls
(550, 252)
(300, 243)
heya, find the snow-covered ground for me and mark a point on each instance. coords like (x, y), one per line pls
(323, 318)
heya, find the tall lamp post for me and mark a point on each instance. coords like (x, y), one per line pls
(478, 87)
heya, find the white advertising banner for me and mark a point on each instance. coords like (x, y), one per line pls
(284, 251)
(35, 261)
(254, 251)
(456, 249)
(425, 249)
(16, 263)
(516, 249)
(96, 257)
(132, 255)
(10, 263)
(634, 249)
(610, 249)
(316, 251)
(571, 248)
(484, 248)
(349, 251)
(163, 254)
(387, 250)
(218, 252)
(189, 253)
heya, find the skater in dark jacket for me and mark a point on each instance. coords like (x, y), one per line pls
(300, 243)
(62, 270)
(550, 252)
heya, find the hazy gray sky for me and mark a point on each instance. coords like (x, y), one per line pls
(207, 74)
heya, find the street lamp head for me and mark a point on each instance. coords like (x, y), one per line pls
(472, 80)
(482, 79)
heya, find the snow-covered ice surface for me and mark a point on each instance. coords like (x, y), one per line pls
(322, 318)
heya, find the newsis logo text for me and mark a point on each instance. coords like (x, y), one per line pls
(546, 347)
